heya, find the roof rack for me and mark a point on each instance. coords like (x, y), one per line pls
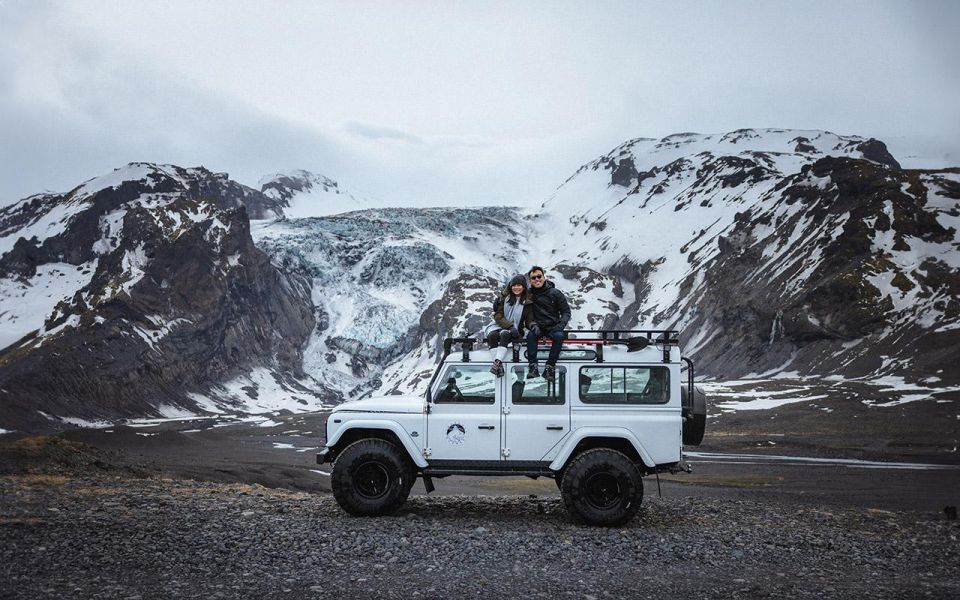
(633, 339)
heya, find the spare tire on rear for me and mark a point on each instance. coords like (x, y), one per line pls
(694, 415)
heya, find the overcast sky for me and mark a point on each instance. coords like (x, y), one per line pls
(445, 103)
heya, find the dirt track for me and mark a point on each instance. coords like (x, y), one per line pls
(283, 455)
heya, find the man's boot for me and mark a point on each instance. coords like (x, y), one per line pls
(533, 371)
(548, 373)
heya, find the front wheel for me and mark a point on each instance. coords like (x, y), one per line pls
(371, 477)
(602, 487)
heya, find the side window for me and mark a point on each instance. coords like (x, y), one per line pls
(466, 384)
(624, 385)
(538, 390)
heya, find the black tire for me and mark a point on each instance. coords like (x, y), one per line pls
(602, 487)
(371, 477)
(402, 499)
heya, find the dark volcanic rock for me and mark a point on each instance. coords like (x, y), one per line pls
(876, 151)
(623, 173)
(811, 309)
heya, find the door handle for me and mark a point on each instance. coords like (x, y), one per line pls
(485, 427)
(555, 427)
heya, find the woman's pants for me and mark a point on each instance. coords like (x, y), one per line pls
(499, 341)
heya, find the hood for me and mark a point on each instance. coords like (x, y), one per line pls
(384, 404)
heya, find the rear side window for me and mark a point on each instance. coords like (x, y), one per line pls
(537, 390)
(566, 353)
(624, 385)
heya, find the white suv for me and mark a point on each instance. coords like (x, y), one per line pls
(620, 408)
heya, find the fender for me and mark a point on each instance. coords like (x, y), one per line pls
(609, 432)
(393, 426)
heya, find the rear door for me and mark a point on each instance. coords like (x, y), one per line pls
(536, 414)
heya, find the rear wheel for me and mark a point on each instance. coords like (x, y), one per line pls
(371, 477)
(602, 487)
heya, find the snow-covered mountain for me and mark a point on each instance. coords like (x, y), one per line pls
(136, 291)
(774, 251)
(301, 194)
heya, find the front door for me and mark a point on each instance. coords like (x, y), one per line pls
(465, 417)
(537, 414)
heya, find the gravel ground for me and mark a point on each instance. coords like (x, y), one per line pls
(122, 537)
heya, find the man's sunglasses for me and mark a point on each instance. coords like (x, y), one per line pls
(536, 277)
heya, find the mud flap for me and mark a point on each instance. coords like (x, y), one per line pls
(428, 484)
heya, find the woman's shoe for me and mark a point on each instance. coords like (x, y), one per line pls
(497, 368)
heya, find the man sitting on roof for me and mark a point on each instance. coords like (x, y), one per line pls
(548, 318)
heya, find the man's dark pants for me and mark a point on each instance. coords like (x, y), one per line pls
(556, 336)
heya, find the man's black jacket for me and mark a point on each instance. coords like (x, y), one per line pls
(550, 308)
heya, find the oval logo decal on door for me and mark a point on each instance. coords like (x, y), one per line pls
(456, 434)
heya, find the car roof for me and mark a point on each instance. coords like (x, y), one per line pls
(586, 355)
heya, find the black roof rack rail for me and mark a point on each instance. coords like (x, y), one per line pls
(633, 339)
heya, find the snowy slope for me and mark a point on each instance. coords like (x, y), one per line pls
(674, 197)
(137, 292)
(786, 244)
(302, 194)
(375, 274)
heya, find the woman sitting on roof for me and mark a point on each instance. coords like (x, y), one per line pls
(510, 310)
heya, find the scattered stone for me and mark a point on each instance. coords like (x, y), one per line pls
(193, 545)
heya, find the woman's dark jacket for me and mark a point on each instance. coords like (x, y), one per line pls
(549, 309)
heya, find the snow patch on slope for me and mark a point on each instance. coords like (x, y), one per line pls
(25, 305)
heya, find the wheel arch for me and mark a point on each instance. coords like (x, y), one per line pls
(384, 430)
(621, 440)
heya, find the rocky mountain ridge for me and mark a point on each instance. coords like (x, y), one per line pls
(137, 290)
(775, 252)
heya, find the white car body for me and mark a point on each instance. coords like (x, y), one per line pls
(509, 432)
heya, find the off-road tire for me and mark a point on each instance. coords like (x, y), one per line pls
(402, 498)
(371, 477)
(558, 479)
(602, 487)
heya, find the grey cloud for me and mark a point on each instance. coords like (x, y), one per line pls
(438, 113)
(376, 132)
(111, 113)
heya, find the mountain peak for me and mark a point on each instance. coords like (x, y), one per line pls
(303, 194)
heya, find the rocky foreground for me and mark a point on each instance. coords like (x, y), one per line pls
(104, 536)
